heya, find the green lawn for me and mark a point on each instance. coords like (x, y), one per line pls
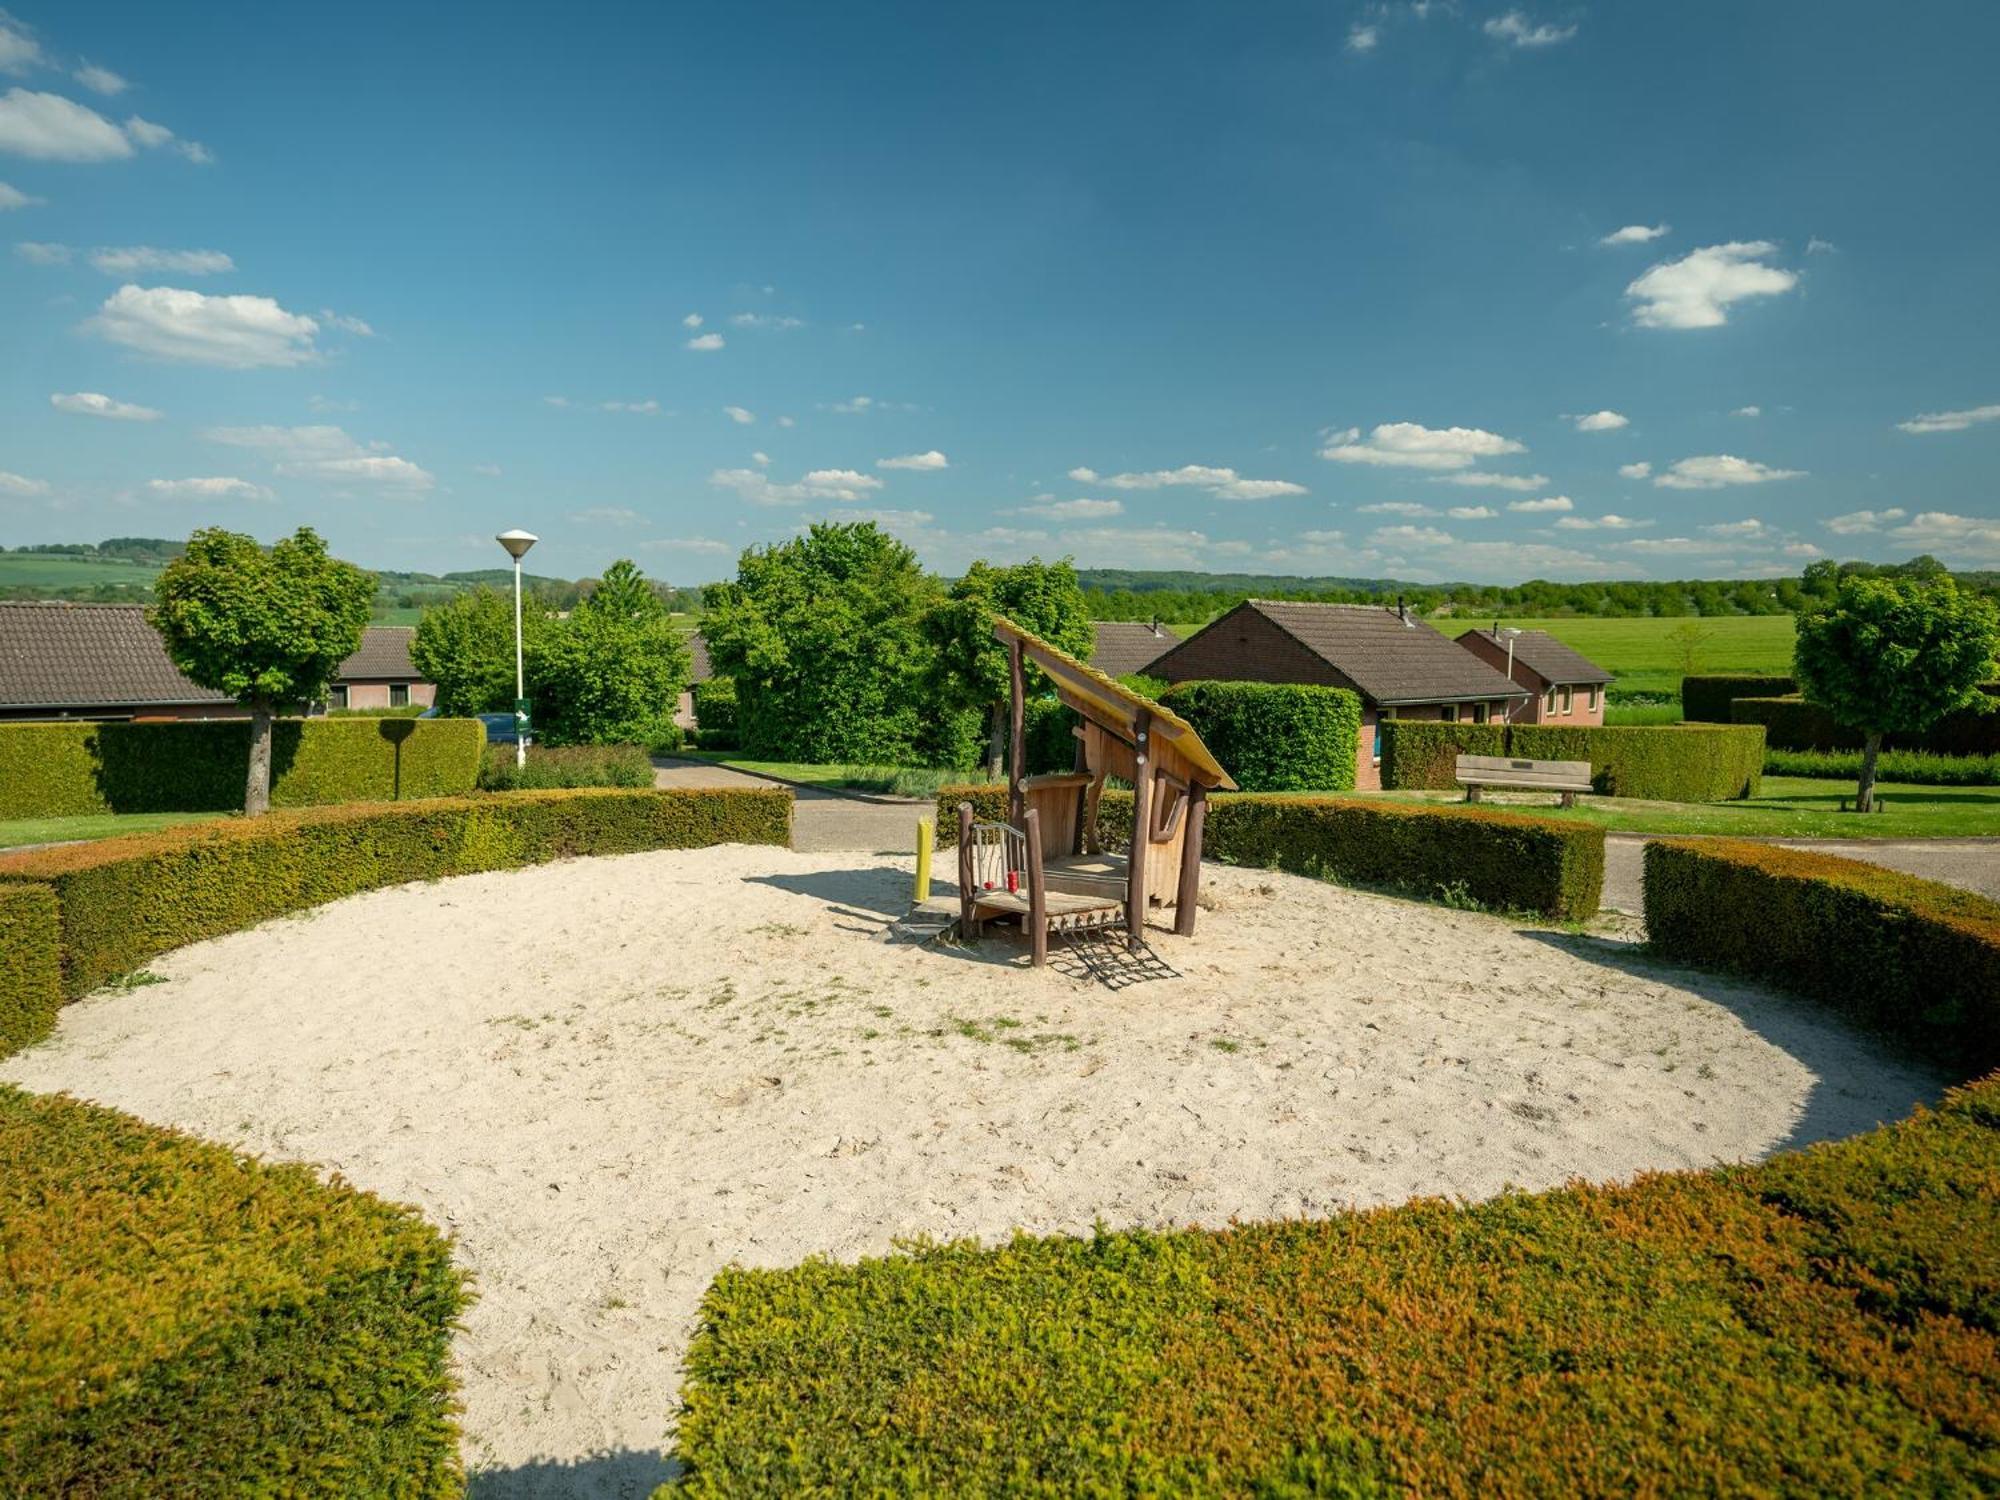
(53, 570)
(902, 781)
(1646, 657)
(1789, 807)
(93, 826)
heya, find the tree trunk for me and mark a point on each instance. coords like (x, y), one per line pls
(996, 739)
(257, 789)
(1864, 800)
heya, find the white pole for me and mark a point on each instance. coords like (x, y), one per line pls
(1512, 703)
(520, 679)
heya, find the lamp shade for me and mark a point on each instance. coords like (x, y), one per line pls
(517, 542)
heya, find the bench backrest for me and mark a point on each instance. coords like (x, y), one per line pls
(1501, 770)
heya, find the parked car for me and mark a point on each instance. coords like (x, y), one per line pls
(501, 729)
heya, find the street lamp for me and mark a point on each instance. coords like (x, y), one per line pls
(517, 543)
(1512, 632)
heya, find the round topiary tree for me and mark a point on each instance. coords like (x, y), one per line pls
(1893, 656)
(268, 627)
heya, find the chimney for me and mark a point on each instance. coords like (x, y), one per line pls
(1156, 626)
(1402, 613)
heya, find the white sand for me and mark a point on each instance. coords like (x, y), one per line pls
(610, 1078)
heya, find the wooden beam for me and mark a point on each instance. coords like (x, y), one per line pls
(1142, 826)
(1038, 897)
(968, 921)
(1190, 888)
(1017, 767)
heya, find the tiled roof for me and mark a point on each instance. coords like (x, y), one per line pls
(384, 653)
(698, 651)
(1128, 646)
(1547, 657)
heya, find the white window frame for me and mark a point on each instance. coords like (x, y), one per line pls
(336, 696)
(399, 687)
(1568, 699)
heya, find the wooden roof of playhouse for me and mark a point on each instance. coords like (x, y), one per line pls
(1111, 705)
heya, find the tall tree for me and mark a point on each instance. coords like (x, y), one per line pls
(269, 628)
(1888, 655)
(466, 646)
(611, 672)
(973, 671)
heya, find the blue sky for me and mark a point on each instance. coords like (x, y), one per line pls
(1426, 290)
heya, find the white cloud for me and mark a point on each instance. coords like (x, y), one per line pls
(1600, 523)
(136, 260)
(1802, 549)
(705, 342)
(1073, 510)
(12, 197)
(930, 460)
(1950, 421)
(1545, 506)
(1472, 513)
(1749, 526)
(19, 51)
(557, 401)
(1857, 521)
(1142, 546)
(764, 320)
(1515, 28)
(1479, 479)
(692, 320)
(1697, 290)
(215, 487)
(20, 484)
(1634, 471)
(146, 133)
(1712, 471)
(487, 471)
(1410, 445)
(360, 327)
(1748, 411)
(1970, 538)
(238, 332)
(1410, 536)
(48, 127)
(686, 544)
(1635, 234)
(1363, 38)
(1685, 546)
(741, 416)
(1601, 421)
(42, 253)
(604, 515)
(99, 80)
(853, 405)
(1394, 508)
(1818, 246)
(788, 422)
(1224, 484)
(758, 488)
(761, 459)
(326, 453)
(91, 404)
(647, 408)
(373, 468)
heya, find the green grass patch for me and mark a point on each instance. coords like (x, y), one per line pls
(19, 831)
(897, 781)
(1649, 658)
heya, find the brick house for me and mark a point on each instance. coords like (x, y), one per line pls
(104, 661)
(1399, 666)
(1125, 647)
(1568, 687)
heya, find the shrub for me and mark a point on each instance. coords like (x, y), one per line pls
(1663, 762)
(1507, 861)
(1906, 956)
(1915, 767)
(182, 1320)
(1275, 736)
(715, 713)
(70, 770)
(30, 965)
(1421, 754)
(125, 900)
(1706, 700)
(1822, 1324)
(1049, 725)
(1791, 723)
(551, 767)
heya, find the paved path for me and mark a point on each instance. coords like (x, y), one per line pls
(1971, 863)
(822, 821)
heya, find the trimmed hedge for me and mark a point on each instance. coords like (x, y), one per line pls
(1275, 736)
(1661, 762)
(1706, 700)
(71, 770)
(30, 965)
(1910, 957)
(554, 767)
(1507, 861)
(180, 1320)
(1915, 767)
(1822, 1324)
(125, 900)
(1791, 723)
(715, 712)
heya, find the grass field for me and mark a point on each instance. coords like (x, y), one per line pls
(43, 570)
(1648, 658)
(91, 826)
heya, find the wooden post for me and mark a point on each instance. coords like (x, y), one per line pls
(1017, 768)
(923, 891)
(1142, 825)
(1038, 898)
(1190, 887)
(1080, 761)
(967, 927)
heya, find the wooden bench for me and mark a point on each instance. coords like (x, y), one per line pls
(1477, 772)
(1001, 873)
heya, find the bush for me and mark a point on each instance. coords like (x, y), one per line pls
(180, 1320)
(551, 767)
(1502, 860)
(715, 713)
(1794, 724)
(72, 770)
(1421, 754)
(1918, 960)
(125, 900)
(1663, 763)
(1915, 767)
(1273, 736)
(30, 965)
(1050, 726)
(1706, 700)
(1822, 1324)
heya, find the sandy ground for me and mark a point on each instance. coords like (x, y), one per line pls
(610, 1078)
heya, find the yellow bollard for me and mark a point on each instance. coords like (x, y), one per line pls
(925, 833)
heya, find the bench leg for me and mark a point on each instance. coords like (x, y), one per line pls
(1472, 794)
(1569, 799)
(1040, 938)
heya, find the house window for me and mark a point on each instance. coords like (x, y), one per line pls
(1569, 699)
(399, 695)
(1387, 713)
(1594, 691)
(1549, 702)
(1479, 713)
(1449, 713)
(336, 696)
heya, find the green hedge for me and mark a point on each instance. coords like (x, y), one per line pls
(1049, 726)
(554, 767)
(30, 965)
(70, 770)
(180, 1320)
(1502, 860)
(1915, 767)
(1910, 957)
(715, 712)
(1706, 700)
(125, 900)
(1662, 762)
(1791, 723)
(1823, 1324)
(1275, 736)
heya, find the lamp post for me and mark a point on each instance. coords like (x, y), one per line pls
(517, 543)
(1512, 632)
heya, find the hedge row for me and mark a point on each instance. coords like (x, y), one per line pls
(1915, 767)
(70, 770)
(1907, 956)
(125, 900)
(715, 713)
(1794, 724)
(1706, 700)
(1661, 762)
(1502, 860)
(1823, 1324)
(180, 1320)
(30, 965)
(1274, 736)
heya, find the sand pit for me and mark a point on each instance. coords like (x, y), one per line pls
(611, 1077)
